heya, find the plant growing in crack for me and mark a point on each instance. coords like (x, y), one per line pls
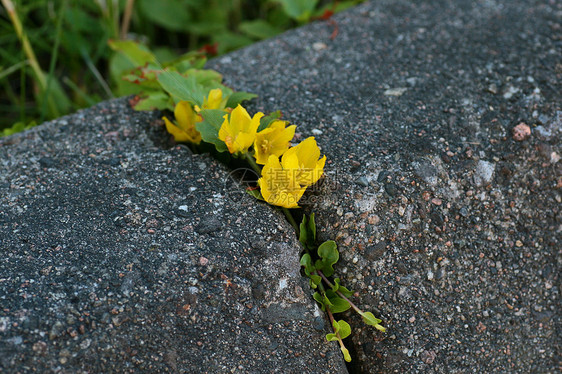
(318, 262)
(206, 111)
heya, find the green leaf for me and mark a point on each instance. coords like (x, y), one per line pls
(17, 127)
(307, 232)
(205, 77)
(371, 320)
(237, 98)
(339, 305)
(329, 256)
(315, 281)
(154, 100)
(335, 7)
(57, 96)
(319, 299)
(209, 128)
(345, 329)
(118, 66)
(299, 10)
(170, 14)
(340, 327)
(228, 41)
(306, 261)
(346, 355)
(259, 29)
(326, 301)
(182, 88)
(136, 53)
(266, 120)
(340, 288)
(189, 60)
(312, 226)
(255, 193)
(303, 230)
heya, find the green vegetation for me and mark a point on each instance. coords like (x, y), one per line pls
(318, 262)
(56, 56)
(209, 113)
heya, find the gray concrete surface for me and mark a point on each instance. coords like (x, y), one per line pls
(448, 224)
(121, 256)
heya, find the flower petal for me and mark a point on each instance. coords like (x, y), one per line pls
(239, 120)
(213, 101)
(179, 134)
(184, 115)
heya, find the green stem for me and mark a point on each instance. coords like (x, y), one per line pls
(11, 69)
(252, 163)
(127, 18)
(339, 293)
(11, 10)
(53, 62)
(28, 50)
(332, 320)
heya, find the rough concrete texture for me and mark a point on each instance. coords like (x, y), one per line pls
(446, 211)
(120, 256)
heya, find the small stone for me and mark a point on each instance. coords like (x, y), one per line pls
(374, 219)
(390, 189)
(521, 132)
(375, 252)
(412, 81)
(398, 91)
(56, 330)
(47, 162)
(484, 173)
(430, 275)
(542, 133)
(362, 181)
(208, 225)
(318, 324)
(509, 92)
(493, 88)
(382, 176)
(318, 46)
(427, 172)
(428, 356)
(519, 243)
(86, 343)
(480, 327)
(40, 347)
(437, 201)
(317, 132)
(412, 319)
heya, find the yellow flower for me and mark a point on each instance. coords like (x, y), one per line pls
(278, 187)
(213, 101)
(273, 140)
(304, 163)
(239, 132)
(186, 119)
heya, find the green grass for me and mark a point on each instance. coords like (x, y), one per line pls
(55, 56)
